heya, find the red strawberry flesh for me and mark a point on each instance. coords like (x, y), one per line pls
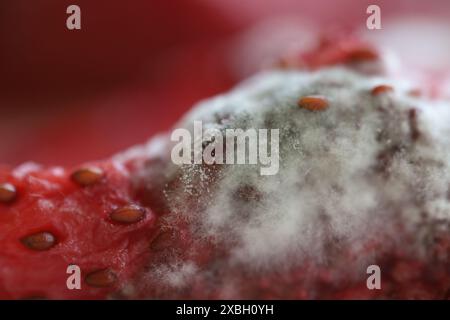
(54, 222)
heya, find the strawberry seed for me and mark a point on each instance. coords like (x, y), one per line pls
(313, 103)
(101, 278)
(87, 176)
(40, 241)
(7, 192)
(128, 214)
(383, 88)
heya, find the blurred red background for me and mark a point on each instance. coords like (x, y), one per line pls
(136, 66)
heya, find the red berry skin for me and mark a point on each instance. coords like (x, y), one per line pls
(78, 219)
